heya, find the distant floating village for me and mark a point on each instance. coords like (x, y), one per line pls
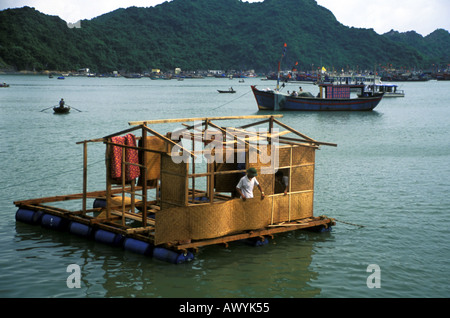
(321, 74)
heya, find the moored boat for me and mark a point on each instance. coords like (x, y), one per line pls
(389, 90)
(61, 110)
(230, 91)
(330, 98)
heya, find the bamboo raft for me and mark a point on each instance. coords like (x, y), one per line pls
(194, 203)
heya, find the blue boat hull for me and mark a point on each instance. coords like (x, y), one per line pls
(266, 101)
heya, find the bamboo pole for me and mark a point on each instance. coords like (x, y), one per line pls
(84, 176)
(123, 186)
(238, 139)
(121, 132)
(170, 141)
(144, 185)
(303, 140)
(108, 181)
(255, 124)
(178, 120)
(193, 172)
(294, 131)
(290, 182)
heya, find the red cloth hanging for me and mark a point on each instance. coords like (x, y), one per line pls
(116, 157)
(131, 156)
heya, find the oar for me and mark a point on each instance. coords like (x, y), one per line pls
(48, 107)
(74, 108)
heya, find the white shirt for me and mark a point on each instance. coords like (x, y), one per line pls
(246, 186)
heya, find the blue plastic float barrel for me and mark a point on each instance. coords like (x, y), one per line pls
(99, 203)
(137, 246)
(164, 254)
(29, 216)
(108, 237)
(256, 241)
(54, 222)
(320, 229)
(80, 229)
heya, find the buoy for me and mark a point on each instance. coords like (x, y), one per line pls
(108, 237)
(54, 222)
(170, 256)
(80, 229)
(29, 216)
(320, 229)
(137, 246)
(256, 241)
(99, 203)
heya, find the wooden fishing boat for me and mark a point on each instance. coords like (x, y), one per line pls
(330, 98)
(4, 85)
(61, 110)
(157, 202)
(229, 91)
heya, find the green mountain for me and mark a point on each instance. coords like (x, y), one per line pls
(436, 45)
(204, 34)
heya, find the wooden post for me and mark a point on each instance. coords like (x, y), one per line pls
(123, 185)
(108, 180)
(133, 196)
(144, 184)
(294, 131)
(290, 182)
(193, 171)
(270, 130)
(84, 176)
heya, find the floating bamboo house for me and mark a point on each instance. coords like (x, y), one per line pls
(169, 194)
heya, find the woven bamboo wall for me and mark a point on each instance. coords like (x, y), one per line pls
(209, 221)
(206, 221)
(153, 161)
(215, 220)
(173, 182)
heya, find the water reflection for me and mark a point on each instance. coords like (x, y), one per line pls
(281, 268)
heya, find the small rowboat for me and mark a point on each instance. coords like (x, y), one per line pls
(230, 91)
(61, 110)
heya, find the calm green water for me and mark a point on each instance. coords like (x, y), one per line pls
(390, 173)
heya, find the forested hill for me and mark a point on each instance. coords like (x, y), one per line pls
(203, 34)
(436, 45)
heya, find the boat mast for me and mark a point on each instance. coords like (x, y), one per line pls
(277, 97)
(279, 66)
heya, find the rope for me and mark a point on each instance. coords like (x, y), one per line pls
(350, 223)
(231, 100)
(56, 174)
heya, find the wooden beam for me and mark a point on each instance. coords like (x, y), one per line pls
(294, 131)
(178, 120)
(270, 230)
(122, 132)
(170, 141)
(77, 196)
(239, 139)
(303, 140)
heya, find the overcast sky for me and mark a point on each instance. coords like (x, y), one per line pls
(422, 16)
